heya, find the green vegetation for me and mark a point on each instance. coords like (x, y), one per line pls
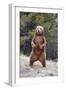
(28, 23)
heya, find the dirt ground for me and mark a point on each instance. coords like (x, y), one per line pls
(37, 70)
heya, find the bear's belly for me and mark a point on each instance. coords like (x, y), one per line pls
(38, 51)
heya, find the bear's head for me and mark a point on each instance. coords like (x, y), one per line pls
(39, 30)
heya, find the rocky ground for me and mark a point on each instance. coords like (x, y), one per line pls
(37, 70)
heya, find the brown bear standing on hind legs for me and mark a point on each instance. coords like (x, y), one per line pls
(38, 47)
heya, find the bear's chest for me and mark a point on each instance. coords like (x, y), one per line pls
(38, 40)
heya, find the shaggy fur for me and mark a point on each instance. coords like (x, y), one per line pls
(38, 47)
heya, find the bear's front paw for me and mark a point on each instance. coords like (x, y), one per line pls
(41, 46)
(33, 45)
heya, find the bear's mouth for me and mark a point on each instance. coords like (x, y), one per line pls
(39, 32)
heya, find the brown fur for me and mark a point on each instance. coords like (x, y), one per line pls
(38, 49)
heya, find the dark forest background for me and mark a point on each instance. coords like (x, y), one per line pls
(28, 23)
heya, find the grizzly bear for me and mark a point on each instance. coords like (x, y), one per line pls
(38, 47)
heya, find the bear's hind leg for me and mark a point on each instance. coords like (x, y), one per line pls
(33, 58)
(43, 63)
(31, 62)
(42, 59)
